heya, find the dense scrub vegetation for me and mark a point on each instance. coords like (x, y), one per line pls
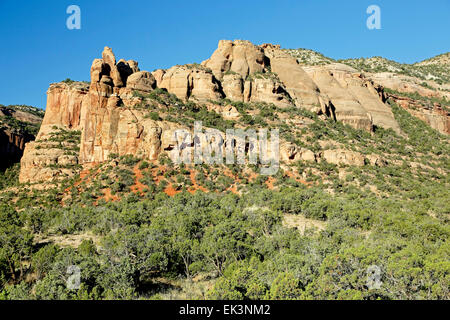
(238, 240)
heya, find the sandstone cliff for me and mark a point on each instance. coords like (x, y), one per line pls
(105, 117)
(94, 121)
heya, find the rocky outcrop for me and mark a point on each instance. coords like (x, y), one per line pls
(228, 112)
(239, 57)
(268, 90)
(355, 99)
(52, 156)
(46, 158)
(85, 123)
(289, 152)
(243, 71)
(191, 81)
(267, 73)
(342, 156)
(432, 114)
(142, 81)
(425, 109)
(299, 85)
(105, 115)
(111, 125)
(64, 105)
(111, 130)
(411, 85)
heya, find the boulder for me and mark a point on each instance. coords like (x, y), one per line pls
(97, 70)
(343, 157)
(228, 112)
(269, 91)
(142, 80)
(241, 57)
(307, 155)
(158, 75)
(191, 81)
(125, 70)
(233, 86)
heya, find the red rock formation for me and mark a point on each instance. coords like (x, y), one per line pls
(100, 111)
(191, 82)
(44, 159)
(104, 109)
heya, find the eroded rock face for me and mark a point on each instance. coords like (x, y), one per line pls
(291, 153)
(127, 68)
(190, 81)
(241, 57)
(64, 104)
(297, 82)
(266, 73)
(112, 126)
(99, 120)
(433, 114)
(46, 158)
(228, 112)
(158, 75)
(233, 87)
(110, 67)
(355, 99)
(407, 84)
(141, 80)
(267, 90)
(243, 70)
(120, 130)
(103, 111)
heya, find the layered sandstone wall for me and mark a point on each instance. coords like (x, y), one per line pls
(103, 112)
(46, 157)
(335, 90)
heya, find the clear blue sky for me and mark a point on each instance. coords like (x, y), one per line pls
(37, 49)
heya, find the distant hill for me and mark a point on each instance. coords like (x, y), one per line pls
(19, 124)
